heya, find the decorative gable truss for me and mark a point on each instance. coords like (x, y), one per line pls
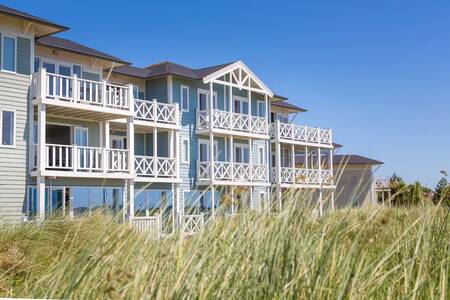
(238, 75)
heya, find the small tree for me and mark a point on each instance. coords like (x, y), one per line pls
(442, 192)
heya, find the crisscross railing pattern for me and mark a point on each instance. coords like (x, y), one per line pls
(232, 121)
(144, 110)
(242, 172)
(302, 176)
(191, 224)
(223, 170)
(148, 166)
(301, 133)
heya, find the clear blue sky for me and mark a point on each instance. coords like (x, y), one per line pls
(377, 72)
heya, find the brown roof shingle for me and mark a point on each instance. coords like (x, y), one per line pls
(345, 159)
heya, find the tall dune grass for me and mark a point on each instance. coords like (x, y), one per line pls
(368, 253)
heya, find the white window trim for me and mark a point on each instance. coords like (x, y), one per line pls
(187, 151)
(202, 91)
(74, 128)
(263, 155)
(5, 35)
(181, 97)
(241, 100)
(114, 137)
(208, 157)
(14, 128)
(242, 147)
(258, 102)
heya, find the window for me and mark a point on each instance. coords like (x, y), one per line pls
(135, 92)
(9, 54)
(241, 154)
(7, 128)
(185, 151)
(184, 98)
(240, 105)
(260, 156)
(118, 142)
(260, 109)
(204, 150)
(37, 64)
(203, 100)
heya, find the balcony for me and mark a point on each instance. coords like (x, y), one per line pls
(77, 94)
(301, 134)
(78, 161)
(232, 173)
(149, 167)
(226, 122)
(156, 112)
(304, 177)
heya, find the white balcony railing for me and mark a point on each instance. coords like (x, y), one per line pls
(382, 184)
(232, 121)
(154, 111)
(192, 224)
(149, 225)
(83, 159)
(236, 172)
(301, 133)
(148, 166)
(303, 176)
(81, 91)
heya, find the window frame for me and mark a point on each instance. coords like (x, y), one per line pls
(258, 111)
(13, 129)
(241, 101)
(5, 35)
(261, 148)
(182, 87)
(206, 92)
(208, 155)
(187, 149)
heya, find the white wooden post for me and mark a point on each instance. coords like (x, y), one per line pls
(320, 202)
(155, 152)
(211, 155)
(130, 144)
(232, 157)
(105, 95)
(230, 104)
(41, 153)
(131, 199)
(75, 89)
(249, 107)
(211, 105)
(319, 160)
(177, 154)
(306, 164)
(212, 200)
(278, 162)
(293, 163)
(155, 110)
(105, 145)
(42, 84)
(40, 185)
(250, 156)
(130, 99)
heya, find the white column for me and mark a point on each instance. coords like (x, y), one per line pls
(320, 202)
(31, 136)
(131, 199)
(293, 163)
(250, 158)
(130, 143)
(211, 155)
(278, 162)
(212, 200)
(106, 135)
(177, 154)
(170, 144)
(231, 157)
(155, 152)
(40, 185)
(169, 89)
(41, 161)
(230, 96)
(249, 107)
(320, 165)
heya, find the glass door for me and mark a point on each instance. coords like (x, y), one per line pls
(80, 139)
(50, 68)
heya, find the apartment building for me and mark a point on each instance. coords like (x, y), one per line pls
(83, 130)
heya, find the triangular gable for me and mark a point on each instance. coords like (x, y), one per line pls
(240, 76)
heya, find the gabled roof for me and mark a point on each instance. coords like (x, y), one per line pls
(287, 105)
(70, 46)
(167, 68)
(345, 159)
(4, 10)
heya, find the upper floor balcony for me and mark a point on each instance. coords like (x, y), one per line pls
(70, 96)
(302, 177)
(231, 123)
(301, 134)
(81, 161)
(232, 173)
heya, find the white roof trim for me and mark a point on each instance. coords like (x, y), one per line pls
(232, 67)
